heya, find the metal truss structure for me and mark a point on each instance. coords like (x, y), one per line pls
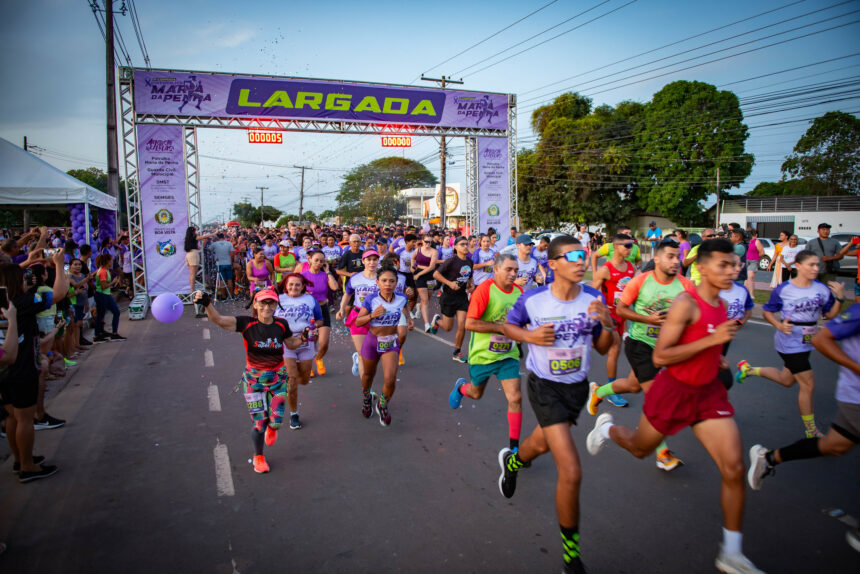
(132, 181)
(192, 190)
(472, 184)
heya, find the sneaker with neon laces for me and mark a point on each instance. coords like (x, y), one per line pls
(743, 372)
(400, 360)
(434, 323)
(458, 357)
(508, 477)
(355, 364)
(759, 466)
(320, 367)
(260, 464)
(382, 412)
(271, 436)
(593, 399)
(455, 397)
(667, 461)
(595, 439)
(367, 405)
(295, 423)
(617, 401)
(735, 563)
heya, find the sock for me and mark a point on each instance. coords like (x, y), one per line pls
(383, 402)
(809, 423)
(515, 425)
(294, 413)
(463, 389)
(257, 438)
(804, 448)
(662, 446)
(604, 430)
(570, 543)
(365, 393)
(456, 351)
(515, 462)
(770, 458)
(732, 541)
(604, 390)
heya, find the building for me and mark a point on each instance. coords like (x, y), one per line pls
(796, 214)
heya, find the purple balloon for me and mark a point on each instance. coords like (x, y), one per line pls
(167, 308)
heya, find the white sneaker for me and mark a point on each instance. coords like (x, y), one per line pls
(759, 467)
(416, 312)
(595, 440)
(735, 564)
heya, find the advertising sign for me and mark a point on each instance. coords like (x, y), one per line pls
(494, 187)
(164, 207)
(208, 95)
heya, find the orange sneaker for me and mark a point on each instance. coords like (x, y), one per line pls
(260, 464)
(271, 436)
(312, 375)
(401, 361)
(320, 367)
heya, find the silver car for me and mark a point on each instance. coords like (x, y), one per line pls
(846, 264)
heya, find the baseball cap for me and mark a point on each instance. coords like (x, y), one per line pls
(370, 253)
(525, 239)
(285, 243)
(653, 223)
(823, 225)
(264, 294)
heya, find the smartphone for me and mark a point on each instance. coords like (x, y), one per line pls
(4, 298)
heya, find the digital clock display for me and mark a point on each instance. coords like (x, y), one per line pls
(396, 141)
(265, 137)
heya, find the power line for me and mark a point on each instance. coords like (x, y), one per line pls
(138, 31)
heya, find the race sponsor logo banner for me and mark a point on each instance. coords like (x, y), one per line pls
(164, 207)
(494, 187)
(207, 95)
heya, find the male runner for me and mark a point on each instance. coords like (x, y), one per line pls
(490, 351)
(560, 323)
(645, 302)
(607, 249)
(610, 280)
(688, 392)
(529, 273)
(455, 275)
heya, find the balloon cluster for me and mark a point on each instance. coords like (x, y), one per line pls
(107, 224)
(78, 219)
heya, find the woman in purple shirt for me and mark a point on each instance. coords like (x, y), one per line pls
(316, 270)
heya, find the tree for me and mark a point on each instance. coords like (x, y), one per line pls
(249, 216)
(285, 219)
(828, 153)
(309, 215)
(807, 186)
(380, 203)
(689, 129)
(328, 215)
(389, 172)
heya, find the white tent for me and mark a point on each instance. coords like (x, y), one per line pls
(27, 181)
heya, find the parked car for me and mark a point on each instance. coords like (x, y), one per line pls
(846, 264)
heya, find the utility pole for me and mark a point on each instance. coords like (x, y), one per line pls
(262, 203)
(717, 210)
(301, 190)
(112, 152)
(443, 155)
(25, 143)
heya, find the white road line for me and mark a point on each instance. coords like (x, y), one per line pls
(208, 359)
(223, 476)
(214, 399)
(765, 323)
(440, 339)
(206, 335)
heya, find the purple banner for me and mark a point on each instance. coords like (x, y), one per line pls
(164, 207)
(225, 95)
(494, 190)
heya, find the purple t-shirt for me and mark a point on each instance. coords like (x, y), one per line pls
(319, 290)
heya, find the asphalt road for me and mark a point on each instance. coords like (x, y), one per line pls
(139, 489)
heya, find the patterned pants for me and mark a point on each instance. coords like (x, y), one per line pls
(272, 385)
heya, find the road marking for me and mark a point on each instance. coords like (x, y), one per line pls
(214, 399)
(223, 476)
(765, 323)
(440, 339)
(208, 359)
(206, 335)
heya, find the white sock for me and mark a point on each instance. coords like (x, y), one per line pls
(732, 541)
(295, 413)
(604, 430)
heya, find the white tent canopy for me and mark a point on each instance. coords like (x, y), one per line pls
(26, 180)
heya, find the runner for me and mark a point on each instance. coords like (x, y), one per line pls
(482, 259)
(529, 273)
(490, 351)
(265, 377)
(284, 261)
(406, 253)
(800, 303)
(455, 275)
(357, 288)
(394, 260)
(259, 271)
(321, 284)
(423, 265)
(608, 248)
(380, 313)
(560, 323)
(739, 306)
(331, 251)
(610, 280)
(689, 393)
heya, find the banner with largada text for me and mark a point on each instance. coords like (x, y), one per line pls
(208, 95)
(494, 189)
(164, 207)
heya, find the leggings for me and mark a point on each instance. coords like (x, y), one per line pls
(105, 303)
(273, 386)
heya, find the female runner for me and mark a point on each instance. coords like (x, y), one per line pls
(356, 289)
(320, 284)
(259, 270)
(423, 265)
(394, 260)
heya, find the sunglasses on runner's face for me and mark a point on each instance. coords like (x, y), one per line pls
(711, 236)
(627, 245)
(573, 256)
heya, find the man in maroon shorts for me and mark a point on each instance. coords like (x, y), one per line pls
(688, 392)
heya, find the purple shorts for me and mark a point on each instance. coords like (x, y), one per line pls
(374, 347)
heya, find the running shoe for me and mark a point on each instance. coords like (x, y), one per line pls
(271, 436)
(593, 400)
(367, 406)
(416, 312)
(101, 338)
(853, 538)
(260, 464)
(355, 364)
(667, 461)
(85, 342)
(320, 367)
(458, 357)
(735, 564)
(400, 361)
(743, 372)
(16, 466)
(116, 337)
(434, 323)
(595, 440)
(295, 423)
(507, 478)
(48, 422)
(427, 328)
(455, 397)
(311, 373)
(382, 413)
(617, 401)
(69, 363)
(575, 566)
(759, 467)
(43, 472)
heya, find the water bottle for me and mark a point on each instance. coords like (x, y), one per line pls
(312, 331)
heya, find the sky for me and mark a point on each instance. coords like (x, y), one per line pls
(52, 71)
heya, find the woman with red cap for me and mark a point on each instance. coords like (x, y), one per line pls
(265, 377)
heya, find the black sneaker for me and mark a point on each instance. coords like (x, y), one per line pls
(101, 338)
(85, 342)
(16, 466)
(507, 478)
(575, 566)
(116, 337)
(295, 423)
(48, 422)
(45, 472)
(367, 406)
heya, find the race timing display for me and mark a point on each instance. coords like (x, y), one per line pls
(396, 141)
(266, 137)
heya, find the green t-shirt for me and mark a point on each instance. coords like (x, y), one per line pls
(607, 249)
(695, 276)
(489, 303)
(288, 260)
(645, 294)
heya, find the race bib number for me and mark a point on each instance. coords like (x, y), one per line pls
(565, 361)
(808, 334)
(500, 344)
(652, 331)
(386, 343)
(616, 297)
(431, 284)
(256, 402)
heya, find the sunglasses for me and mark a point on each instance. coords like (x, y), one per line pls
(627, 245)
(573, 256)
(268, 303)
(708, 236)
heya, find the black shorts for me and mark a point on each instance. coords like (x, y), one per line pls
(555, 403)
(639, 356)
(20, 391)
(326, 313)
(450, 303)
(421, 282)
(796, 362)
